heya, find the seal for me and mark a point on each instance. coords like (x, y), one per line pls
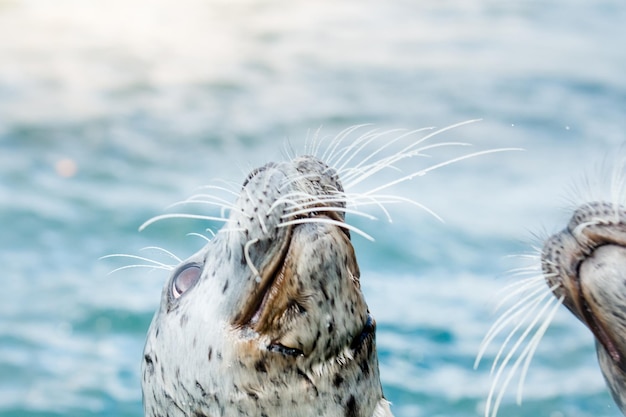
(268, 319)
(585, 267)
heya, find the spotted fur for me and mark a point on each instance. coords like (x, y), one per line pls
(268, 319)
(585, 264)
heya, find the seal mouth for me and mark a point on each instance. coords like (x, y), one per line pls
(256, 312)
(587, 309)
(581, 267)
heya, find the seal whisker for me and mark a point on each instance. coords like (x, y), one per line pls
(326, 220)
(342, 169)
(525, 270)
(305, 200)
(262, 223)
(365, 172)
(492, 405)
(210, 198)
(223, 207)
(246, 253)
(217, 187)
(436, 166)
(318, 139)
(321, 209)
(382, 199)
(181, 216)
(519, 287)
(410, 148)
(151, 262)
(360, 143)
(200, 235)
(339, 153)
(332, 146)
(165, 251)
(505, 318)
(533, 344)
(232, 230)
(310, 141)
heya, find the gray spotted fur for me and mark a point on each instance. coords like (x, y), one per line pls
(586, 264)
(204, 357)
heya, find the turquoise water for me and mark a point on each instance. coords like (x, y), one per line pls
(111, 111)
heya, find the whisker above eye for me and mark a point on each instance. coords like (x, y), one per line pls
(151, 263)
(162, 250)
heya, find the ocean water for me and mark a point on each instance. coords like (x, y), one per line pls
(111, 111)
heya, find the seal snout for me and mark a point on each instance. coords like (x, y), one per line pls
(585, 264)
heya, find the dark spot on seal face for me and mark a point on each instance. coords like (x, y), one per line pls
(199, 386)
(337, 381)
(149, 364)
(210, 353)
(260, 366)
(352, 409)
(225, 287)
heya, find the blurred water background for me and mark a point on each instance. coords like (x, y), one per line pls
(110, 111)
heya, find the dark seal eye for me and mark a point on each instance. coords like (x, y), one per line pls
(185, 279)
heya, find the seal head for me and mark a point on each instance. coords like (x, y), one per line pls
(268, 319)
(585, 266)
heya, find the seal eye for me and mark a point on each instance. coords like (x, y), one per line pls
(185, 279)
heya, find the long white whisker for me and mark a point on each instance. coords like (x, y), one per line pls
(332, 147)
(200, 235)
(360, 144)
(181, 216)
(317, 209)
(386, 163)
(513, 289)
(532, 347)
(302, 200)
(380, 149)
(507, 359)
(139, 258)
(401, 154)
(308, 148)
(165, 251)
(439, 165)
(121, 268)
(152, 264)
(246, 254)
(386, 199)
(522, 305)
(217, 187)
(409, 150)
(526, 309)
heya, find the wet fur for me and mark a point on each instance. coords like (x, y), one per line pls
(591, 249)
(275, 325)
